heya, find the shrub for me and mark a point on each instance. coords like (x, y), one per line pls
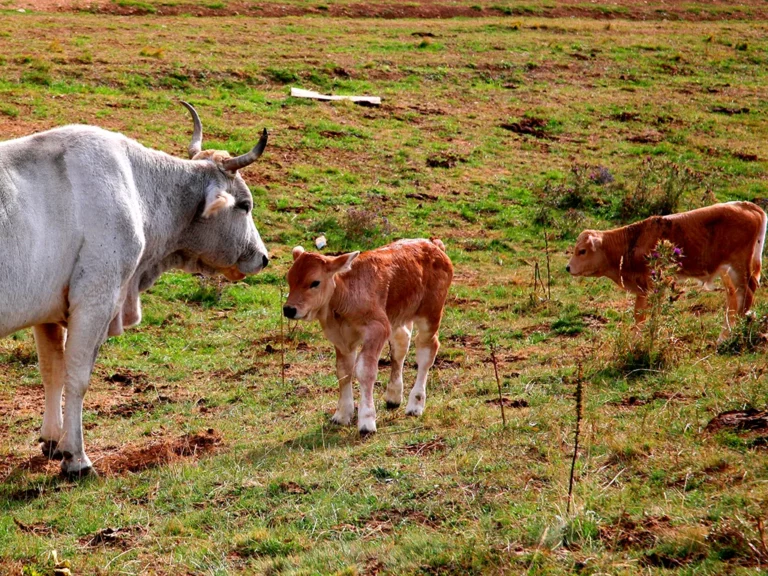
(659, 189)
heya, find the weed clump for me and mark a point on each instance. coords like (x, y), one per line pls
(749, 333)
(659, 189)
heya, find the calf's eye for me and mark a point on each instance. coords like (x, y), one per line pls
(315, 284)
(244, 206)
(582, 252)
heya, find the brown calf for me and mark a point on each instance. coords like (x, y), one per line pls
(725, 239)
(363, 301)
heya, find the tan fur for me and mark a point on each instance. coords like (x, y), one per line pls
(724, 239)
(364, 300)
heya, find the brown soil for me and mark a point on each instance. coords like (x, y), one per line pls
(509, 402)
(750, 419)
(419, 448)
(157, 453)
(426, 9)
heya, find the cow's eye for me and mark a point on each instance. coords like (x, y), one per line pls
(315, 284)
(243, 205)
(582, 252)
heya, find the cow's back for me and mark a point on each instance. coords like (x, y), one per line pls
(49, 207)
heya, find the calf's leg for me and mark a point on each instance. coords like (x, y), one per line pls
(427, 346)
(376, 335)
(345, 366)
(399, 342)
(50, 339)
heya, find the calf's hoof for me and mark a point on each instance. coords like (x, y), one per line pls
(49, 449)
(367, 429)
(341, 420)
(392, 405)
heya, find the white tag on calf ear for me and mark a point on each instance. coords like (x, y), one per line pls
(297, 251)
(217, 201)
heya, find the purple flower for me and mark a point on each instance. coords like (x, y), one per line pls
(677, 251)
(655, 254)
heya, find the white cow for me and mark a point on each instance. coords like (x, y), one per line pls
(88, 219)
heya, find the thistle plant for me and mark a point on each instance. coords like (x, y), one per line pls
(664, 263)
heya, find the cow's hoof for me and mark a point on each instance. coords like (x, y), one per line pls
(414, 410)
(76, 468)
(49, 449)
(392, 405)
(78, 474)
(367, 430)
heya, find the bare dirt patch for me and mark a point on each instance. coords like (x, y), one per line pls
(509, 402)
(743, 420)
(627, 533)
(157, 453)
(427, 447)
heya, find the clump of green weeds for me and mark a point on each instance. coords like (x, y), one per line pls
(583, 188)
(366, 226)
(749, 333)
(659, 189)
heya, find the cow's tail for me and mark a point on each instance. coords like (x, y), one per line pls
(757, 254)
(439, 243)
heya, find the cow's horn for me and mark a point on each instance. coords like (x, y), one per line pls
(234, 164)
(196, 146)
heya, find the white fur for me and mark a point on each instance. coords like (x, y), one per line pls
(88, 219)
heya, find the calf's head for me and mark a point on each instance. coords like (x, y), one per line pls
(588, 256)
(222, 236)
(311, 282)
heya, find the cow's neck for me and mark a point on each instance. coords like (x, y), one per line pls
(171, 191)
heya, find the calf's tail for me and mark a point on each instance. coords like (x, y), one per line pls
(757, 255)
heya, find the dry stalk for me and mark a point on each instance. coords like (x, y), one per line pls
(282, 339)
(576, 438)
(498, 385)
(549, 275)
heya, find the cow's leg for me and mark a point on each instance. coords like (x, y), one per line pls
(345, 367)
(427, 346)
(50, 340)
(87, 330)
(399, 342)
(367, 367)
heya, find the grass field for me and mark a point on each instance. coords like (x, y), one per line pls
(494, 131)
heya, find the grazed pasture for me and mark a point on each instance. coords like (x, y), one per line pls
(211, 463)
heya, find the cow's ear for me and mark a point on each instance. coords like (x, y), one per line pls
(297, 251)
(216, 200)
(595, 242)
(342, 263)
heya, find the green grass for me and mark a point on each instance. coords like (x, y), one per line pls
(284, 492)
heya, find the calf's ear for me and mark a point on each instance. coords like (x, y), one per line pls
(595, 242)
(297, 251)
(342, 263)
(215, 201)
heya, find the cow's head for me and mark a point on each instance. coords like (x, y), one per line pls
(588, 256)
(223, 236)
(311, 282)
